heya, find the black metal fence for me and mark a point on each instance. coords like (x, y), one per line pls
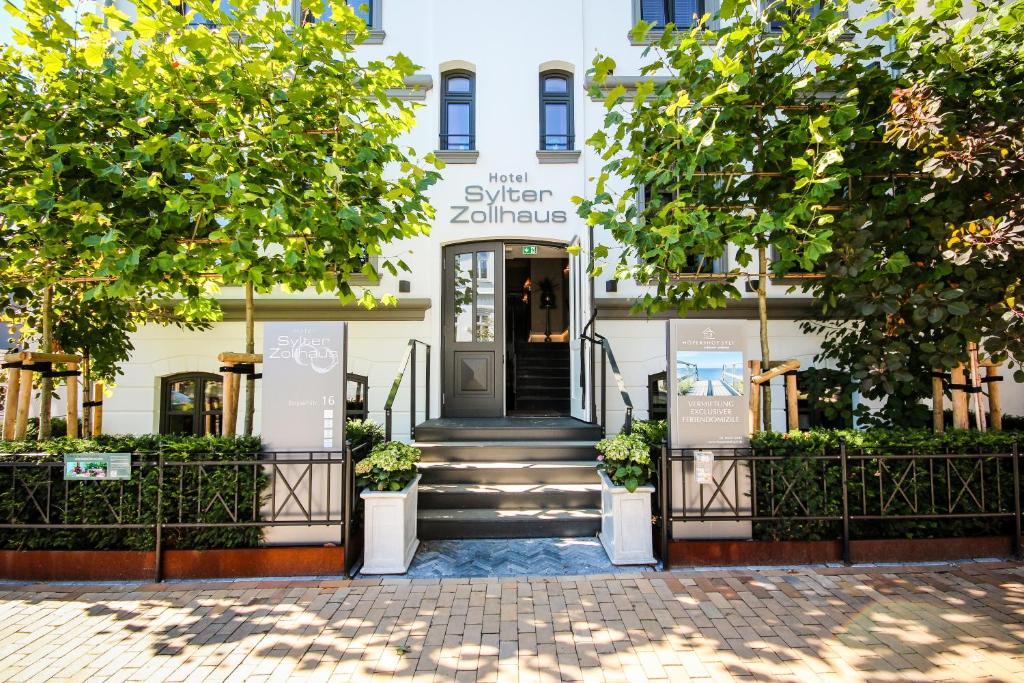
(180, 501)
(837, 494)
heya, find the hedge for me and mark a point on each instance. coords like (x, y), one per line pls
(133, 501)
(806, 487)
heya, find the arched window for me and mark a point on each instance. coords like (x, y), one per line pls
(556, 111)
(458, 111)
(192, 403)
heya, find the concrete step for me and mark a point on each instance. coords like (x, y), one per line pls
(520, 523)
(506, 451)
(513, 472)
(506, 429)
(509, 496)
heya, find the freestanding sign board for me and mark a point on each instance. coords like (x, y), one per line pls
(708, 381)
(303, 415)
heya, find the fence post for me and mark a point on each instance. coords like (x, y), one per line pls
(1016, 500)
(844, 472)
(666, 506)
(412, 393)
(158, 559)
(348, 463)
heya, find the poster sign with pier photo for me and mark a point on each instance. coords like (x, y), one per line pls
(708, 410)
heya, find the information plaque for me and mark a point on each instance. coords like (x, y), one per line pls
(97, 466)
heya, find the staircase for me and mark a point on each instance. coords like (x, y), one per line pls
(513, 477)
(542, 377)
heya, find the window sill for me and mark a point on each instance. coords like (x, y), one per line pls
(376, 37)
(653, 37)
(457, 156)
(558, 156)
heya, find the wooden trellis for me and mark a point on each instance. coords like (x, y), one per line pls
(20, 368)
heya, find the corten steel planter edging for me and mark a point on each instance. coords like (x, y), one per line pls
(138, 565)
(720, 553)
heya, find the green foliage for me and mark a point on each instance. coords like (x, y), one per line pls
(391, 466)
(626, 459)
(800, 486)
(651, 431)
(188, 494)
(144, 162)
(733, 97)
(364, 433)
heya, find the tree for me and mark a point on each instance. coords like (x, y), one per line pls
(739, 143)
(154, 157)
(929, 261)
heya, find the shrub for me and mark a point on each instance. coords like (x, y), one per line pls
(626, 459)
(798, 485)
(189, 494)
(364, 434)
(651, 431)
(391, 466)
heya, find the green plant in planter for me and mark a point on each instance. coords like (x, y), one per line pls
(626, 459)
(391, 466)
(651, 431)
(360, 432)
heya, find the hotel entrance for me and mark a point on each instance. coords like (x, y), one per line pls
(505, 337)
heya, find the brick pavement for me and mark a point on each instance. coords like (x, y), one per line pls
(945, 622)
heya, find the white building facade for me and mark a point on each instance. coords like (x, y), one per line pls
(493, 290)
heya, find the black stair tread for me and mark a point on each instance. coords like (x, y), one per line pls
(512, 464)
(510, 489)
(471, 515)
(518, 445)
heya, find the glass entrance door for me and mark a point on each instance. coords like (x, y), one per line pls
(474, 334)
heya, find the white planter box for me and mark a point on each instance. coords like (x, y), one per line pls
(626, 530)
(390, 529)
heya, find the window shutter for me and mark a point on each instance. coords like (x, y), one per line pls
(684, 11)
(653, 11)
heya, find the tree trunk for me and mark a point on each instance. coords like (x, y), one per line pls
(46, 385)
(250, 347)
(86, 393)
(762, 313)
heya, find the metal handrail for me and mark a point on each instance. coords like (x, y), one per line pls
(410, 359)
(608, 359)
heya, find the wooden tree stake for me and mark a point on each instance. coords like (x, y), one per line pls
(938, 406)
(72, 397)
(995, 403)
(227, 400)
(792, 405)
(24, 402)
(958, 378)
(97, 411)
(11, 407)
(979, 406)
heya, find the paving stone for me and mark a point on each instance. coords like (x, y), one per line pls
(922, 623)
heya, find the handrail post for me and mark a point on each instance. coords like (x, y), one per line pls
(426, 384)
(387, 424)
(846, 500)
(412, 390)
(1016, 501)
(347, 497)
(158, 555)
(604, 388)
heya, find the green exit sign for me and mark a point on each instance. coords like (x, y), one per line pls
(529, 250)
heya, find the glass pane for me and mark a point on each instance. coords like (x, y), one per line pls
(556, 126)
(555, 84)
(463, 297)
(458, 126)
(183, 397)
(485, 296)
(212, 424)
(653, 11)
(363, 10)
(179, 424)
(685, 11)
(458, 84)
(214, 395)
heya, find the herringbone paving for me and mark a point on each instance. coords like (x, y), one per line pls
(512, 557)
(949, 622)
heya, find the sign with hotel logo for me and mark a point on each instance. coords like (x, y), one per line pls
(303, 386)
(708, 384)
(507, 198)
